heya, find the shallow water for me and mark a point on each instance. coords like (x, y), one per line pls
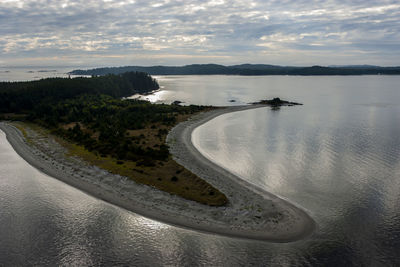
(338, 156)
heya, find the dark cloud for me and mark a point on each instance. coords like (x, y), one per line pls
(93, 32)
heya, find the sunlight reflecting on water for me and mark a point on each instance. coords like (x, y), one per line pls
(155, 97)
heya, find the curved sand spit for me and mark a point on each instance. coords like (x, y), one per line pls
(251, 213)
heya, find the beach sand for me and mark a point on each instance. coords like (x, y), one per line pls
(252, 213)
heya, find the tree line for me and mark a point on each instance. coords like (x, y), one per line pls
(17, 97)
(245, 69)
(92, 112)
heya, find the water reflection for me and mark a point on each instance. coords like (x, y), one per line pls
(155, 97)
(326, 92)
(48, 223)
(340, 164)
(338, 156)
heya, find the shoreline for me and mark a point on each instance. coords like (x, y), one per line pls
(270, 218)
(186, 154)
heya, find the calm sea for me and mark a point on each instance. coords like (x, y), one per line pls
(338, 157)
(11, 74)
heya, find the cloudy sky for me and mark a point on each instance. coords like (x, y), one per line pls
(176, 32)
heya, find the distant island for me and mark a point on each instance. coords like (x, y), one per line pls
(276, 102)
(245, 69)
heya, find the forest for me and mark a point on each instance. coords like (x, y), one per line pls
(17, 97)
(124, 136)
(104, 124)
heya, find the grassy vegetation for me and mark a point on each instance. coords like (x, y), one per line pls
(169, 177)
(165, 175)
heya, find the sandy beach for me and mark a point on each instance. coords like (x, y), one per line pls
(251, 213)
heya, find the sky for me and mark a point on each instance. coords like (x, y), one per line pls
(96, 33)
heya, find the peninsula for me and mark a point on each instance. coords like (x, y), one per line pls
(115, 150)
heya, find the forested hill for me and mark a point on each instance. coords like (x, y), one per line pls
(245, 69)
(24, 96)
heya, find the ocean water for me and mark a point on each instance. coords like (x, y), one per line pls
(337, 156)
(12, 74)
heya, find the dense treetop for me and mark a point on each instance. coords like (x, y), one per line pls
(123, 136)
(102, 123)
(24, 96)
(92, 113)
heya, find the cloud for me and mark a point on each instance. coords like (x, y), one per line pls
(145, 32)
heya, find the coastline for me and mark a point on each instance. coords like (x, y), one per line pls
(269, 218)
